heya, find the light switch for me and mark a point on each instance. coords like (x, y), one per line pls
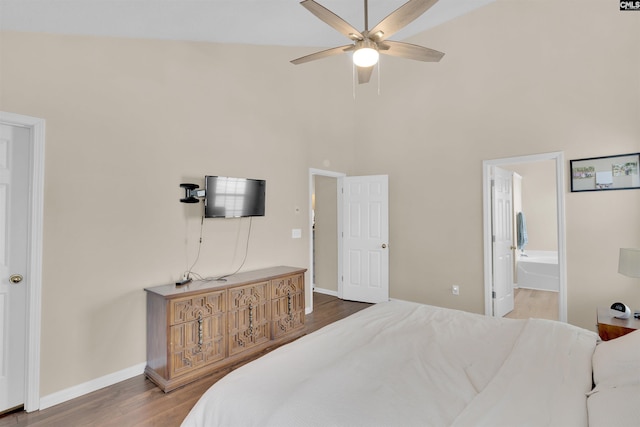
(296, 233)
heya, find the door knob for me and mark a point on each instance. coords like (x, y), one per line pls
(384, 246)
(15, 278)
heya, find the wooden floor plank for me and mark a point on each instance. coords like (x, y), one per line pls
(533, 303)
(138, 402)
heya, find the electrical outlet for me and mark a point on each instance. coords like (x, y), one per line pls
(455, 289)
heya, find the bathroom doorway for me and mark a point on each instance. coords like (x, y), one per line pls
(539, 267)
(535, 264)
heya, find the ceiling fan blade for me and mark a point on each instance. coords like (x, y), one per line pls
(364, 74)
(400, 18)
(409, 51)
(332, 19)
(322, 54)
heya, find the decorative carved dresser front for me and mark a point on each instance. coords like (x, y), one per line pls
(197, 329)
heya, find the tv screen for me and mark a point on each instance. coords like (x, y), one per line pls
(228, 197)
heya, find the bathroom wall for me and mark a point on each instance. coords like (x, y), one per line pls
(539, 203)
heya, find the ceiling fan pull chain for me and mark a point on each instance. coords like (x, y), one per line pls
(353, 79)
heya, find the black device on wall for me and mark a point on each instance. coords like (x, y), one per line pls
(191, 193)
(227, 197)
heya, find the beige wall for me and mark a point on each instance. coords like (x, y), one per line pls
(518, 78)
(326, 233)
(128, 120)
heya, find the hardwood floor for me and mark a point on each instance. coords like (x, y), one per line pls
(138, 402)
(531, 303)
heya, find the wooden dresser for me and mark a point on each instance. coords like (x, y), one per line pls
(199, 328)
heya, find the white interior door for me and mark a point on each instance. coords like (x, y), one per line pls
(502, 223)
(14, 210)
(365, 238)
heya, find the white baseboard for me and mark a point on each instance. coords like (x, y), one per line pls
(90, 386)
(309, 310)
(326, 292)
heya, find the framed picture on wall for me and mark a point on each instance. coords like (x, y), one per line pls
(605, 173)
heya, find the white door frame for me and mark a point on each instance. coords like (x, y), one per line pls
(313, 172)
(558, 157)
(34, 254)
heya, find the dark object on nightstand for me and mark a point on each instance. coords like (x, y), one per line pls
(620, 310)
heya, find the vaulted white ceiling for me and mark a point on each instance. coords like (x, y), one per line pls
(262, 22)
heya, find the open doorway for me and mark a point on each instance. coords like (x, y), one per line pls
(325, 259)
(535, 266)
(546, 242)
(349, 217)
(325, 235)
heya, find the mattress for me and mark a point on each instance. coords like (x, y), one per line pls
(405, 364)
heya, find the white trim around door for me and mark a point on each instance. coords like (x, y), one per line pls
(34, 257)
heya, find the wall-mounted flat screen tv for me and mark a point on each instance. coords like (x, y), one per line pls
(228, 197)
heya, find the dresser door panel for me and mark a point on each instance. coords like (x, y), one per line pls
(195, 344)
(285, 324)
(287, 314)
(287, 307)
(248, 327)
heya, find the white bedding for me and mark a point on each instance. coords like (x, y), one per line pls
(616, 372)
(404, 364)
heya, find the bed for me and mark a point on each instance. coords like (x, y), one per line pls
(405, 364)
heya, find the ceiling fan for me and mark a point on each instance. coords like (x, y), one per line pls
(368, 44)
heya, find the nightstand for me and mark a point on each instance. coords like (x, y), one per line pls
(610, 327)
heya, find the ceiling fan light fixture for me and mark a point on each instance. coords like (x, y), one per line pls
(366, 54)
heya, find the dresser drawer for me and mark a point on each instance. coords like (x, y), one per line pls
(242, 296)
(191, 308)
(285, 285)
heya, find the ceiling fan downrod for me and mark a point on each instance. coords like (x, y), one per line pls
(366, 16)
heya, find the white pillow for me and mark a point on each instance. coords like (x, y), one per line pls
(617, 362)
(619, 407)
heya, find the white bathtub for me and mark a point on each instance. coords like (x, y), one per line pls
(538, 270)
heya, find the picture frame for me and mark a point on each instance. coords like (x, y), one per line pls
(619, 172)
